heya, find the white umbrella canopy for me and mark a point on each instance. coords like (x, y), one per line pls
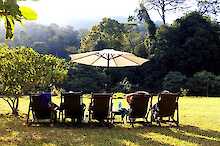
(108, 58)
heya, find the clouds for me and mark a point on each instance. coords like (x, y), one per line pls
(65, 11)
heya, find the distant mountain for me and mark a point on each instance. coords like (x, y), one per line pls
(88, 23)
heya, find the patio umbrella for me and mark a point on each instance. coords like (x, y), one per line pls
(108, 58)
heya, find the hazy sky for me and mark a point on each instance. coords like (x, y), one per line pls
(71, 12)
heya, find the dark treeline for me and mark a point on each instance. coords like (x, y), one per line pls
(183, 56)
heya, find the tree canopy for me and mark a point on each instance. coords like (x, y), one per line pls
(109, 33)
(24, 71)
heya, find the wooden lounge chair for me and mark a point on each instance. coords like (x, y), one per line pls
(40, 106)
(71, 106)
(167, 107)
(139, 107)
(100, 107)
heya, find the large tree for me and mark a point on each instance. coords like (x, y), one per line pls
(109, 33)
(24, 71)
(162, 6)
(190, 45)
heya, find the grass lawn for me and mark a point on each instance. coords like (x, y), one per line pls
(199, 125)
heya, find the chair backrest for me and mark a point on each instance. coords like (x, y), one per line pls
(72, 104)
(139, 105)
(167, 103)
(40, 105)
(101, 105)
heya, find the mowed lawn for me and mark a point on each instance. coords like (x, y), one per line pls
(199, 125)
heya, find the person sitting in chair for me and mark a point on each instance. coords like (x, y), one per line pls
(155, 108)
(129, 97)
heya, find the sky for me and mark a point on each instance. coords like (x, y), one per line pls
(74, 12)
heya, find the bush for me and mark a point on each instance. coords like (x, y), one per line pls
(85, 78)
(174, 81)
(204, 84)
(123, 86)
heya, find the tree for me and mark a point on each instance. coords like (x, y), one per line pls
(201, 83)
(11, 12)
(209, 7)
(85, 78)
(189, 45)
(24, 71)
(151, 30)
(174, 81)
(162, 6)
(144, 16)
(108, 34)
(192, 40)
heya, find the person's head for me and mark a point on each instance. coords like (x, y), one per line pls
(165, 91)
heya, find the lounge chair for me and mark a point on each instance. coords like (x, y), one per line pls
(100, 107)
(167, 106)
(139, 103)
(40, 106)
(72, 107)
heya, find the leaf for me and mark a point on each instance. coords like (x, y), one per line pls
(28, 13)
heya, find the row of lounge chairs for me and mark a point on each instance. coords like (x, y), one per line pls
(100, 108)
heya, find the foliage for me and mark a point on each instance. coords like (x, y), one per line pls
(123, 86)
(23, 71)
(108, 34)
(190, 45)
(174, 81)
(85, 78)
(204, 83)
(11, 12)
(144, 16)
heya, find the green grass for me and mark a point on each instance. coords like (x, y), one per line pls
(199, 125)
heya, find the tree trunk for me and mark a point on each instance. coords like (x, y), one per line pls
(16, 106)
(163, 13)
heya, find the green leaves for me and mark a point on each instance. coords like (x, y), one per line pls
(23, 70)
(11, 12)
(108, 34)
(28, 13)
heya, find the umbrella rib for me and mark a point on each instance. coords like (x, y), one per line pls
(116, 56)
(130, 60)
(84, 56)
(113, 58)
(103, 56)
(96, 60)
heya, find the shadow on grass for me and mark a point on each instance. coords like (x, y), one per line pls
(192, 134)
(15, 132)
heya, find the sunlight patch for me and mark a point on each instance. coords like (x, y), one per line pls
(166, 139)
(128, 143)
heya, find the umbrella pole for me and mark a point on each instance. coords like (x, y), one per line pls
(107, 73)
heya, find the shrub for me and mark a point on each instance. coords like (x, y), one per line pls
(123, 86)
(204, 84)
(174, 81)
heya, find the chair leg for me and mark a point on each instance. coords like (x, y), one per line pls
(177, 117)
(28, 116)
(132, 122)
